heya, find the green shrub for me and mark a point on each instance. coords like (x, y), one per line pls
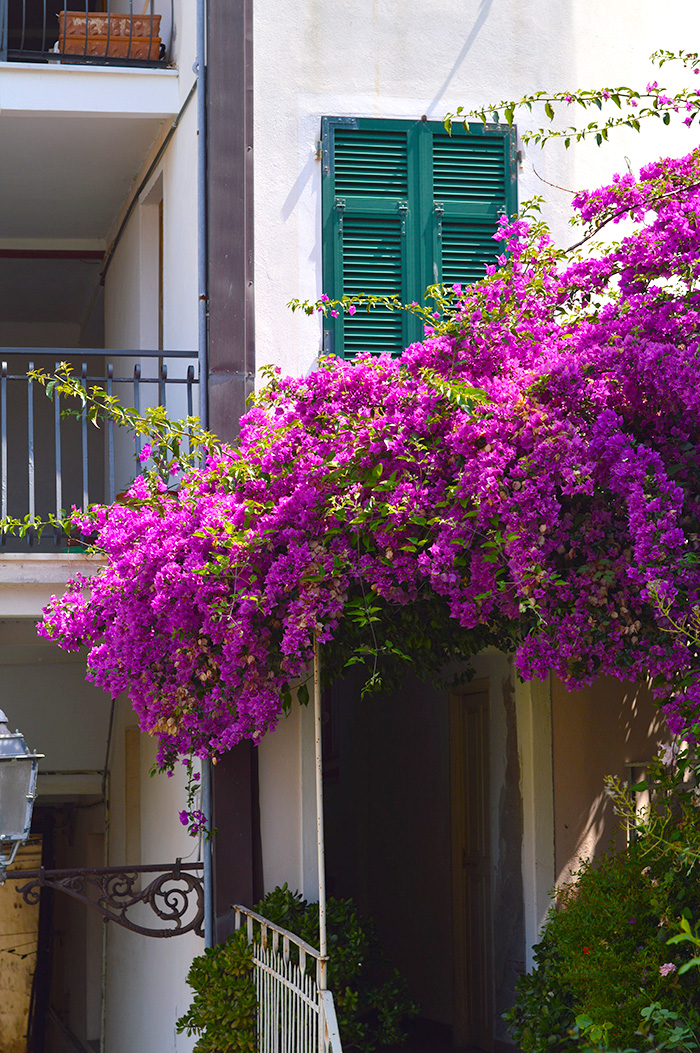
(605, 976)
(371, 998)
(224, 1007)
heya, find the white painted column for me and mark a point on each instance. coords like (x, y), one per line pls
(534, 717)
(288, 822)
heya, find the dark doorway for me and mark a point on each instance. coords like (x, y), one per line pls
(407, 833)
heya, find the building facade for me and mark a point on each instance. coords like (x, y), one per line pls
(165, 269)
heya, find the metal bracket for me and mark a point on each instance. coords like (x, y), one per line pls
(516, 155)
(403, 210)
(176, 896)
(340, 209)
(439, 210)
(328, 125)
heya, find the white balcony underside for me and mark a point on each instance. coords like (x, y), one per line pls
(73, 139)
(27, 582)
(92, 91)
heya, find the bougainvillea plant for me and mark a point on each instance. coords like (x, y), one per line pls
(618, 107)
(526, 476)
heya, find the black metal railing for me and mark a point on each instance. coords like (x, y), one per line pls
(51, 458)
(100, 32)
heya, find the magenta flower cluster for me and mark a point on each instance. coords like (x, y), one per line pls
(567, 504)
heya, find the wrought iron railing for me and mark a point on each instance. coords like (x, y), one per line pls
(101, 32)
(51, 458)
(295, 1011)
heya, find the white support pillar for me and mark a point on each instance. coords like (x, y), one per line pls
(320, 842)
(534, 716)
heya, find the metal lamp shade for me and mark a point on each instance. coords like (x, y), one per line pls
(18, 772)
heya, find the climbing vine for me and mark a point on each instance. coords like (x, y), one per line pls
(527, 476)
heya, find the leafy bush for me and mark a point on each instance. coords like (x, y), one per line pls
(224, 1008)
(371, 998)
(606, 976)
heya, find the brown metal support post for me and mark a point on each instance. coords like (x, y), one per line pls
(230, 381)
(230, 220)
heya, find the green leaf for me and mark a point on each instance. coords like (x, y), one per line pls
(549, 110)
(303, 695)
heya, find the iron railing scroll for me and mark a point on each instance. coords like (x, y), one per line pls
(105, 33)
(175, 894)
(295, 1012)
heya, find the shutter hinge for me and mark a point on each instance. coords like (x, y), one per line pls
(328, 342)
(340, 209)
(439, 210)
(328, 127)
(403, 209)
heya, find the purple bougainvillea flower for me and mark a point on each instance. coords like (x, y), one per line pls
(564, 510)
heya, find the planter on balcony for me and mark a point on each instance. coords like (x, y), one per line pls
(109, 35)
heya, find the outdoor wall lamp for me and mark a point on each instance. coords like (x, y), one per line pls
(18, 772)
(174, 894)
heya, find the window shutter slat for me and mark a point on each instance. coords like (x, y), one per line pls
(466, 250)
(372, 263)
(371, 162)
(469, 179)
(469, 168)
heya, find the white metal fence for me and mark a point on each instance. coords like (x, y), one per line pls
(295, 1011)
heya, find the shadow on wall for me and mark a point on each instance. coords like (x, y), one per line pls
(597, 731)
(482, 14)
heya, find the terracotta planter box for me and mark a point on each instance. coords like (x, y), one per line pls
(109, 36)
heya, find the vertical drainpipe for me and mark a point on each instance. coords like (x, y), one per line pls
(200, 69)
(202, 284)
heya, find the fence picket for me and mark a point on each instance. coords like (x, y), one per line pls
(294, 1013)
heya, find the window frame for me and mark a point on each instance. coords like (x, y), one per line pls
(422, 249)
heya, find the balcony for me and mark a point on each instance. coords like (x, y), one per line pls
(50, 458)
(95, 32)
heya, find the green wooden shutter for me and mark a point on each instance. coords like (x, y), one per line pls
(405, 206)
(366, 232)
(473, 184)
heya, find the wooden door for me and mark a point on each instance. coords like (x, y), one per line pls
(471, 867)
(19, 923)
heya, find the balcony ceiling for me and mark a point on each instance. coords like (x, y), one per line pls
(67, 177)
(73, 142)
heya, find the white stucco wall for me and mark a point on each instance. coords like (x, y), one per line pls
(287, 779)
(131, 286)
(382, 58)
(146, 988)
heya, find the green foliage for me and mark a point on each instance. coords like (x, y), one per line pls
(173, 444)
(371, 997)
(387, 641)
(224, 1007)
(617, 107)
(687, 935)
(608, 972)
